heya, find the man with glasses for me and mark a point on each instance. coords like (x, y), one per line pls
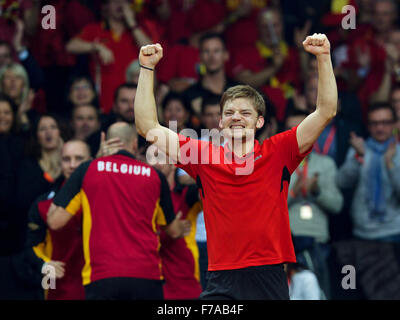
(372, 168)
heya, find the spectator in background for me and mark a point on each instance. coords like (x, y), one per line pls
(61, 249)
(81, 91)
(213, 79)
(372, 167)
(41, 170)
(270, 65)
(313, 196)
(14, 82)
(5, 53)
(180, 257)
(114, 44)
(367, 54)
(11, 151)
(85, 121)
(174, 108)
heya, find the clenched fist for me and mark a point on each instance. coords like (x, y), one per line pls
(317, 44)
(150, 55)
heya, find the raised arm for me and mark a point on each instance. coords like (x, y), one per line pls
(327, 99)
(146, 119)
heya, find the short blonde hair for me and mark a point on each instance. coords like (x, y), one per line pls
(19, 71)
(244, 91)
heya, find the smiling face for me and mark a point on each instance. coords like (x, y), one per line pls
(240, 119)
(48, 133)
(6, 117)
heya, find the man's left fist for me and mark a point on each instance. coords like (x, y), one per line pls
(317, 44)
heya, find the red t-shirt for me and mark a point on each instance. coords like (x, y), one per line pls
(250, 59)
(125, 51)
(180, 257)
(123, 200)
(246, 216)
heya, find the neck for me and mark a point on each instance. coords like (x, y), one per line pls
(50, 162)
(215, 82)
(116, 25)
(241, 147)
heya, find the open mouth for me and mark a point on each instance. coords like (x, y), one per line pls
(236, 126)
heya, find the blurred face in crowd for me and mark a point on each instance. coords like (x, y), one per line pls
(395, 99)
(270, 24)
(395, 39)
(311, 93)
(115, 9)
(13, 84)
(6, 117)
(124, 105)
(175, 111)
(81, 93)
(293, 121)
(48, 133)
(238, 117)
(73, 154)
(85, 121)
(381, 124)
(5, 55)
(384, 16)
(213, 55)
(211, 116)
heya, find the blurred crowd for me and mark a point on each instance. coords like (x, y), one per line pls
(75, 81)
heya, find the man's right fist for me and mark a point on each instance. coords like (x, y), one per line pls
(150, 55)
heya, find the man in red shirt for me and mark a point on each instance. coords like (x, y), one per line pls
(245, 211)
(123, 201)
(50, 246)
(116, 41)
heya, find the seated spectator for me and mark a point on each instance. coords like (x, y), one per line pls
(6, 53)
(213, 80)
(313, 196)
(85, 121)
(372, 169)
(270, 65)
(175, 112)
(116, 42)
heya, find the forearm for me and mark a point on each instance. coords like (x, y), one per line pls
(79, 46)
(327, 98)
(141, 39)
(383, 92)
(257, 79)
(145, 103)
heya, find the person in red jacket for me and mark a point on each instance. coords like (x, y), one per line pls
(61, 249)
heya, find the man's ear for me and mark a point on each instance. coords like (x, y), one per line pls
(260, 122)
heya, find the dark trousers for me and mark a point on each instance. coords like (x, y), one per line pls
(124, 289)
(268, 282)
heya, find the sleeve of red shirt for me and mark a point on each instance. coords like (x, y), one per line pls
(190, 154)
(90, 32)
(286, 146)
(71, 188)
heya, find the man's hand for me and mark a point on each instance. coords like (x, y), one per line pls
(150, 55)
(109, 147)
(59, 267)
(105, 54)
(317, 44)
(357, 143)
(312, 185)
